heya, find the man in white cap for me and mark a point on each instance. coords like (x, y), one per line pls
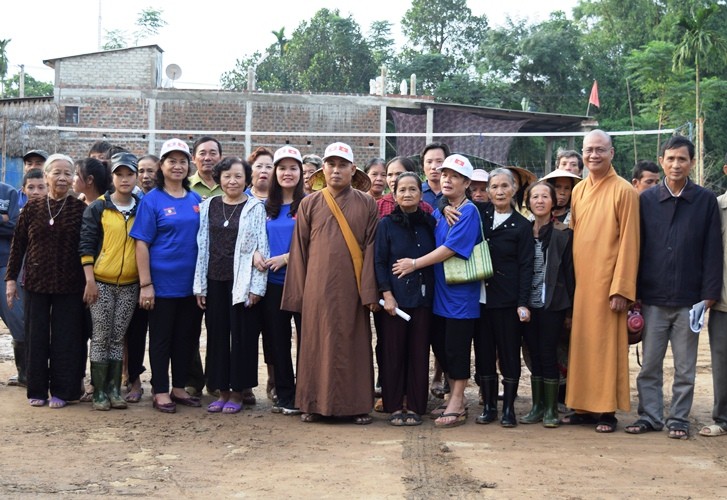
(330, 280)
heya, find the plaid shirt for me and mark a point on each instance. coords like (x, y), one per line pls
(386, 205)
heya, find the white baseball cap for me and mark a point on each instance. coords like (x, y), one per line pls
(175, 145)
(480, 175)
(339, 149)
(287, 152)
(459, 164)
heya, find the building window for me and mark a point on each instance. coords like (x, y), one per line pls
(72, 114)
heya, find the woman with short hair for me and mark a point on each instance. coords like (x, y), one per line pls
(226, 284)
(46, 238)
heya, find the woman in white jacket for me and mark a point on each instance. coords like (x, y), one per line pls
(232, 229)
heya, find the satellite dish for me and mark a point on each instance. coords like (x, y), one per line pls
(173, 72)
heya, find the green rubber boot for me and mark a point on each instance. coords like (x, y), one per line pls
(113, 385)
(536, 413)
(99, 374)
(550, 398)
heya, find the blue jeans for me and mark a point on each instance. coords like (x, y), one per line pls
(13, 318)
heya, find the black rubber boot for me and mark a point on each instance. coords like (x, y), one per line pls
(536, 413)
(488, 385)
(113, 385)
(21, 379)
(550, 399)
(99, 375)
(508, 402)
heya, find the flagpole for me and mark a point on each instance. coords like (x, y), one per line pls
(588, 108)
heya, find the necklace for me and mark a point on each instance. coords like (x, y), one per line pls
(227, 219)
(53, 217)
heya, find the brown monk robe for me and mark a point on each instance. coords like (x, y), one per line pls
(335, 369)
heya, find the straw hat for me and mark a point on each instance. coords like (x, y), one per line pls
(522, 176)
(561, 173)
(360, 180)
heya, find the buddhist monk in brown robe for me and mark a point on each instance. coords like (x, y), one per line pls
(335, 368)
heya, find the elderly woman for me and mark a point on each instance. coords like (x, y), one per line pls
(376, 170)
(47, 237)
(112, 282)
(504, 297)
(286, 192)
(165, 231)
(551, 296)
(311, 163)
(455, 306)
(395, 167)
(404, 359)
(563, 181)
(232, 229)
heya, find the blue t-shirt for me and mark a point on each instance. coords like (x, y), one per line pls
(169, 225)
(457, 301)
(280, 233)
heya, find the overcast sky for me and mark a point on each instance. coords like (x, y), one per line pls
(203, 37)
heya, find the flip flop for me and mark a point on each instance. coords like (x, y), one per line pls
(56, 403)
(397, 419)
(713, 430)
(677, 428)
(37, 402)
(438, 411)
(232, 407)
(459, 419)
(216, 406)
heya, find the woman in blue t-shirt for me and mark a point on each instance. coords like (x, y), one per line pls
(286, 191)
(456, 307)
(165, 230)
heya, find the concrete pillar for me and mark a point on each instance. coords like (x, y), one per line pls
(430, 125)
(548, 155)
(151, 124)
(382, 133)
(248, 128)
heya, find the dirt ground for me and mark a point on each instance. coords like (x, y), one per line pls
(140, 452)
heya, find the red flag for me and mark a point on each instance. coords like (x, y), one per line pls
(593, 99)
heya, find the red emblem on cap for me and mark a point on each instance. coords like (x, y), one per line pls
(345, 150)
(459, 162)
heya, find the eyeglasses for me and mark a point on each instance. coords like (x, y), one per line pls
(600, 151)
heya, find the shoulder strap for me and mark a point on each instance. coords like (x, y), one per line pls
(351, 243)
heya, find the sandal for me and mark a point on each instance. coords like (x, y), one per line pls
(248, 398)
(310, 417)
(56, 403)
(713, 430)
(437, 390)
(134, 396)
(379, 405)
(579, 419)
(459, 419)
(87, 397)
(37, 402)
(397, 419)
(678, 430)
(438, 411)
(412, 419)
(641, 426)
(232, 407)
(216, 406)
(363, 419)
(606, 424)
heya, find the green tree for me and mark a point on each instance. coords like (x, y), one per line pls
(699, 41)
(282, 41)
(115, 39)
(33, 87)
(148, 22)
(381, 42)
(236, 78)
(3, 64)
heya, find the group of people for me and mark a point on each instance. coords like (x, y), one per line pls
(251, 246)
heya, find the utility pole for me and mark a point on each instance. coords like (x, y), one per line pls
(21, 89)
(99, 25)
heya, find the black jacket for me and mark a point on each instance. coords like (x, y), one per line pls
(512, 250)
(560, 282)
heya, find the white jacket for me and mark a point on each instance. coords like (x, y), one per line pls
(251, 236)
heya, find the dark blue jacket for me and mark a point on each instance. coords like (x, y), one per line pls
(9, 207)
(681, 247)
(398, 236)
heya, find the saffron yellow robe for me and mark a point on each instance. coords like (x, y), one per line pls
(606, 239)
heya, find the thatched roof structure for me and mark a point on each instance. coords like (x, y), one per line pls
(21, 116)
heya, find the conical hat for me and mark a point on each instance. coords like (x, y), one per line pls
(360, 180)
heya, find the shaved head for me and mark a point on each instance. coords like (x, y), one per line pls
(600, 134)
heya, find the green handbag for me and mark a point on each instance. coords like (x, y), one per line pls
(477, 268)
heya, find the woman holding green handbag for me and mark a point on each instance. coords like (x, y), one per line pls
(456, 307)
